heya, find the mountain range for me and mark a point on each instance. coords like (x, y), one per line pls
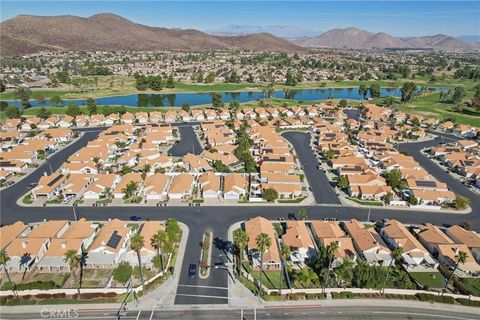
(281, 31)
(360, 39)
(107, 32)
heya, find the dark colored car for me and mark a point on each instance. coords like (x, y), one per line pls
(135, 218)
(192, 270)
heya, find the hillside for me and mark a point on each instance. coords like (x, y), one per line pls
(360, 39)
(107, 32)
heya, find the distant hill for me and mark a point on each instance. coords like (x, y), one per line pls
(470, 38)
(282, 31)
(360, 39)
(107, 32)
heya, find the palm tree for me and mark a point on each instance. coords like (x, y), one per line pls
(136, 244)
(96, 161)
(332, 249)
(461, 258)
(158, 241)
(303, 214)
(73, 259)
(4, 258)
(397, 255)
(285, 252)
(344, 271)
(240, 238)
(263, 242)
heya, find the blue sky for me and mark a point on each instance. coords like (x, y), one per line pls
(400, 18)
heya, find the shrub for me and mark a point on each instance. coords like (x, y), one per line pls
(123, 272)
(35, 285)
(435, 298)
(468, 302)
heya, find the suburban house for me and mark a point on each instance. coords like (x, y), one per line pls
(326, 232)
(155, 186)
(147, 229)
(368, 243)
(49, 186)
(119, 191)
(414, 255)
(469, 238)
(209, 184)
(102, 185)
(271, 257)
(235, 186)
(298, 239)
(9, 232)
(181, 186)
(109, 246)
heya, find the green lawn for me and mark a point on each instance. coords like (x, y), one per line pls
(367, 203)
(95, 278)
(429, 279)
(472, 285)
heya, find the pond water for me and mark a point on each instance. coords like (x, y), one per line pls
(178, 99)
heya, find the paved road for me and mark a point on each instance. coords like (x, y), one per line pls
(188, 142)
(219, 218)
(415, 150)
(301, 312)
(318, 181)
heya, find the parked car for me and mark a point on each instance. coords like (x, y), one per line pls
(192, 270)
(67, 199)
(135, 218)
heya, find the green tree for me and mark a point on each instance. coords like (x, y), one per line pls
(56, 101)
(397, 255)
(217, 102)
(43, 113)
(23, 94)
(290, 79)
(3, 87)
(330, 154)
(130, 189)
(408, 90)
(158, 241)
(285, 252)
(4, 258)
(91, 106)
(122, 272)
(458, 95)
(302, 213)
(73, 110)
(389, 101)
(342, 182)
(170, 83)
(234, 105)
(73, 260)
(374, 90)
(186, 107)
(173, 230)
(343, 103)
(461, 259)
(12, 112)
(240, 238)
(270, 194)
(263, 242)
(461, 202)
(363, 91)
(394, 179)
(3, 105)
(345, 272)
(137, 242)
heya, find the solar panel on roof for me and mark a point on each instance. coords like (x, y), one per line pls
(426, 183)
(114, 240)
(51, 183)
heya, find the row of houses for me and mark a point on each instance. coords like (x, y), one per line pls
(103, 245)
(421, 246)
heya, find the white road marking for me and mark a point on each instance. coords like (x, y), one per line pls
(422, 314)
(195, 286)
(153, 310)
(201, 296)
(138, 315)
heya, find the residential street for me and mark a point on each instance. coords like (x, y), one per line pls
(219, 218)
(188, 142)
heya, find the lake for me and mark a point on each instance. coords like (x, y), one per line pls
(193, 99)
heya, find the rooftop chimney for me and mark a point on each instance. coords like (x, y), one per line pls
(24, 244)
(64, 245)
